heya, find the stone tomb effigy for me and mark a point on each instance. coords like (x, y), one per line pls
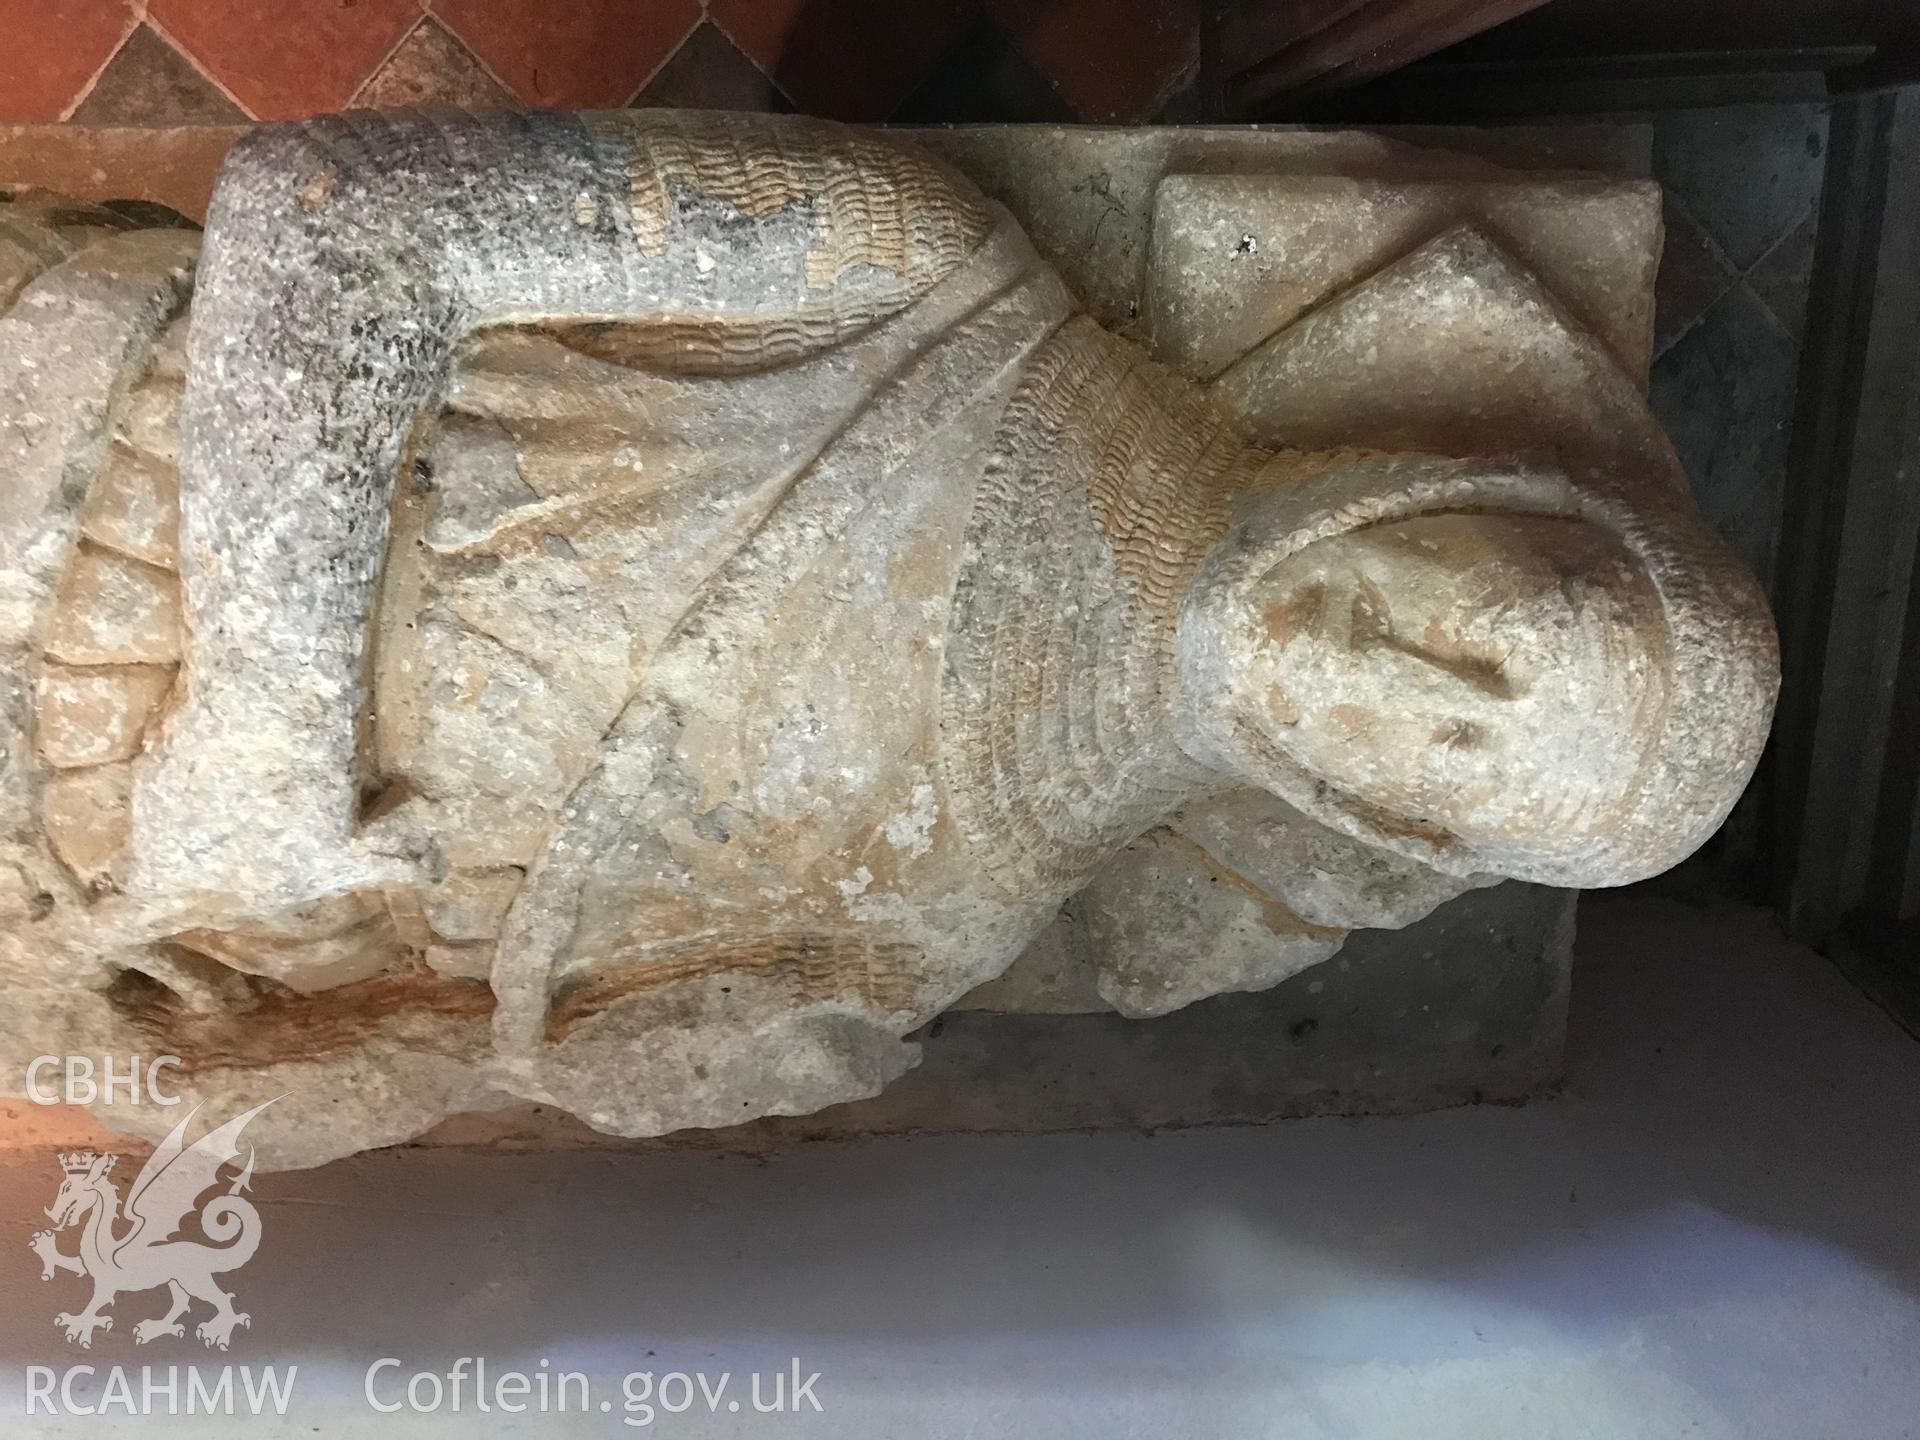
(689, 620)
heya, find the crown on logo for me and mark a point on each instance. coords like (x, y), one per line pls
(79, 1162)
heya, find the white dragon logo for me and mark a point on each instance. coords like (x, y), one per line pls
(145, 1254)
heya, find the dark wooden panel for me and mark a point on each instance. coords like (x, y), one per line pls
(1266, 51)
(1601, 27)
(1844, 764)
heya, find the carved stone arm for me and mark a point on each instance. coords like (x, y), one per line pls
(345, 257)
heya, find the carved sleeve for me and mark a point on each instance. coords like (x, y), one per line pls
(344, 259)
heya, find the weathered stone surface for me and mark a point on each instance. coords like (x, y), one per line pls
(88, 717)
(133, 506)
(1467, 1005)
(1089, 197)
(86, 304)
(114, 611)
(149, 419)
(329, 943)
(472, 904)
(67, 346)
(87, 814)
(1448, 344)
(683, 619)
(461, 962)
(1321, 875)
(18, 265)
(1237, 258)
(1164, 897)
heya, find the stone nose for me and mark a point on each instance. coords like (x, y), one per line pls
(1499, 678)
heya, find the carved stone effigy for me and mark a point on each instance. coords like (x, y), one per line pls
(640, 612)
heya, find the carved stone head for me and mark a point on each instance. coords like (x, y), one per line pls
(1556, 678)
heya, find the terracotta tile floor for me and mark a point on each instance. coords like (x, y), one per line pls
(173, 62)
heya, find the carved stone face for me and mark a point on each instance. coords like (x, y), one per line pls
(1497, 680)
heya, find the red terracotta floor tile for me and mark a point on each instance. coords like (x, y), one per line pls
(291, 58)
(586, 53)
(1114, 61)
(849, 59)
(50, 48)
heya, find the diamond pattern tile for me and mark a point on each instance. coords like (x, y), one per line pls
(984, 78)
(1781, 276)
(1724, 392)
(1114, 61)
(1748, 173)
(49, 49)
(710, 72)
(927, 61)
(286, 60)
(591, 54)
(1693, 274)
(846, 59)
(432, 68)
(151, 83)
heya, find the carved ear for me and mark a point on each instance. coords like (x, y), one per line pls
(101, 1165)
